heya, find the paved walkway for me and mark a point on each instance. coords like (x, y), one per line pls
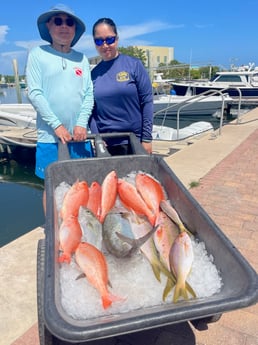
(228, 190)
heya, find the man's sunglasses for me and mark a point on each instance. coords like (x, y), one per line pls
(59, 21)
(108, 40)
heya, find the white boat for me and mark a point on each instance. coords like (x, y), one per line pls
(238, 82)
(17, 126)
(168, 133)
(190, 105)
(18, 115)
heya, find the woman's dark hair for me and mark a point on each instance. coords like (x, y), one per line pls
(107, 21)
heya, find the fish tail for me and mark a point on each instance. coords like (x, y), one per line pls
(170, 282)
(169, 286)
(109, 298)
(167, 273)
(180, 290)
(190, 289)
(136, 243)
(64, 258)
(106, 301)
(156, 271)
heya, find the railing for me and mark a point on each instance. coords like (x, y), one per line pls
(197, 98)
(224, 91)
(239, 101)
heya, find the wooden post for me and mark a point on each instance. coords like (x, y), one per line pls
(17, 82)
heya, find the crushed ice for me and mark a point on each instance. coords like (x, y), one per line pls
(132, 278)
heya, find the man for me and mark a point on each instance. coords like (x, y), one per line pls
(59, 88)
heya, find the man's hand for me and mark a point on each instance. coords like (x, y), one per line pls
(63, 134)
(79, 133)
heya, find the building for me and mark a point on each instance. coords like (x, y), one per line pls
(154, 56)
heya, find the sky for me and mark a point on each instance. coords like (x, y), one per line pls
(201, 32)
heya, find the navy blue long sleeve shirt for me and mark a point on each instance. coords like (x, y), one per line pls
(123, 98)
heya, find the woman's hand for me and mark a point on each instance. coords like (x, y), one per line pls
(147, 147)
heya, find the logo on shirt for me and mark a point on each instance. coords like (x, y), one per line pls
(78, 71)
(122, 76)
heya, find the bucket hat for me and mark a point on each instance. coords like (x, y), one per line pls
(59, 8)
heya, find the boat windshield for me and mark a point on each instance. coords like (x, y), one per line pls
(227, 78)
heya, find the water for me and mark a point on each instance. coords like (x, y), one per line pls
(9, 95)
(20, 190)
(20, 200)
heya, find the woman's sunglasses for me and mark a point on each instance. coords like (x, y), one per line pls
(59, 21)
(108, 40)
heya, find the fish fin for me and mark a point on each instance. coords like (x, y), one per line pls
(131, 241)
(64, 258)
(190, 289)
(109, 298)
(82, 275)
(126, 239)
(167, 273)
(106, 301)
(156, 271)
(136, 243)
(169, 286)
(180, 290)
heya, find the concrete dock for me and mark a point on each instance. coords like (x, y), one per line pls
(225, 169)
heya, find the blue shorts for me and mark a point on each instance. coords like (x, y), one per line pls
(47, 153)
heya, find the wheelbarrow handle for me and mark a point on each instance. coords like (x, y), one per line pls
(63, 152)
(100, 147)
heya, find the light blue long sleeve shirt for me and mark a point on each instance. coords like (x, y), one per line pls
(60, 89)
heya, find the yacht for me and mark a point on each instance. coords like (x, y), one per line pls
(237, 82)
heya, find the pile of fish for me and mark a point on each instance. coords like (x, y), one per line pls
(123, 216)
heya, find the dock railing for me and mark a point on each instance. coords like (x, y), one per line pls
(192, 89)
(197, 98)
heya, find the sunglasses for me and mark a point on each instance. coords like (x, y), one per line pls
(108, 40)
(59, 21)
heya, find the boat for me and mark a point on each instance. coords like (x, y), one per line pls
(190, 105)
(167, 101)
(240, 82)
(23, 84)
(17, 127)
(3, 83)
(161, 132)
(18, 115)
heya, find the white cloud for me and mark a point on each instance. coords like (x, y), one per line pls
(130, 31)
(3, 32)
(28, 44)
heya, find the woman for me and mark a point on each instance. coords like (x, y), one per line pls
(122, 92)
(59, 88)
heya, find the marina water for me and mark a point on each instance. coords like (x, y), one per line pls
(20, 190)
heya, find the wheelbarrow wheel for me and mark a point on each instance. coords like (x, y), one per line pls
(45, 337)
